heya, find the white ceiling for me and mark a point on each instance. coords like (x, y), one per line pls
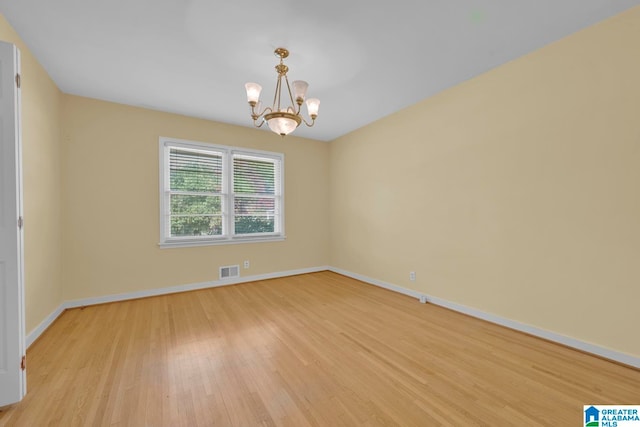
(363, 59)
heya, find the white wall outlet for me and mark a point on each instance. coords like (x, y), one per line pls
(246, 264)
(412, 276)
(423, 299)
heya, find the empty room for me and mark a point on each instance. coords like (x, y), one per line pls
(320, 214)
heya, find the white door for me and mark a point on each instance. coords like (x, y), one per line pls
(13, 384)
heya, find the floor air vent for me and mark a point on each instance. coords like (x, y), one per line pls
(229, 272)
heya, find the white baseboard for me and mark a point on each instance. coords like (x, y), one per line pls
(379, 283)
(189, 287)
(617, 356)
(36, 332)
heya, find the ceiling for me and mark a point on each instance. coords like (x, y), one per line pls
(363, 59)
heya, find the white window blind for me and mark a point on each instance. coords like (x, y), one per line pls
(256, 199)
(196, 198)
(212, 194)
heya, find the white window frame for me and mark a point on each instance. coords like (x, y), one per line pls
(228, 226)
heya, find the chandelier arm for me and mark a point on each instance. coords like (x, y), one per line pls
(256, 115)
(313, 121)
(260, 125)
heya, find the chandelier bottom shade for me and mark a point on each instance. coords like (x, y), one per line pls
(282, 125)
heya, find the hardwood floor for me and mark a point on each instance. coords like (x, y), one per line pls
(311, 350)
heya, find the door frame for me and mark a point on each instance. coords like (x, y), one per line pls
(14, 344)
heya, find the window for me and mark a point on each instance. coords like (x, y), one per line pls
(213, 194)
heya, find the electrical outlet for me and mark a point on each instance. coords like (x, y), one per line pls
(246, 264)
(412, 276)
(423, 299)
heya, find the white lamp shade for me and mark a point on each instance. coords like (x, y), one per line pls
(300, 89)
(282, 125)
(313, 105)
(253, 92)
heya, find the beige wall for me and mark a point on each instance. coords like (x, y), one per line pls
(42, 184)
(516, 193)
(111, 202)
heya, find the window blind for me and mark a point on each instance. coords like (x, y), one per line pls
(195, 187)
(212, 194)
(255, 196)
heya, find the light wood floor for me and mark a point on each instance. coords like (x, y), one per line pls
(310, 350)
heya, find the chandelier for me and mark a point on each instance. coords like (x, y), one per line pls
(282, 118)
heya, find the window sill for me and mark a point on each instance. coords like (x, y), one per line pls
(237, 240)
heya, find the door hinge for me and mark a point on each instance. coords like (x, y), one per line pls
(20, 222)
(23, 363)
(18, 80)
